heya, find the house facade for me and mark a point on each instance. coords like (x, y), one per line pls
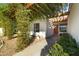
(73, 22)
(49, 27)
(41, 27)
(59, 24)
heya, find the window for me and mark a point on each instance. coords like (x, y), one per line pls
(36, 27)
(63, 28)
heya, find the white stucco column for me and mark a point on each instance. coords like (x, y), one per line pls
(73, 22)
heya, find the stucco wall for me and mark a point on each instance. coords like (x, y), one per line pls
(73, 22)
(45, 29)
(49, 30)
(42, 27)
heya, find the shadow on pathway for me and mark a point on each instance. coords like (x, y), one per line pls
(50, 41)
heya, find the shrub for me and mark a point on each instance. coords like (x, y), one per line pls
(6, 20)
(23, 28)
(68, 43)
(65, 46)
(57, 50)
(6, 24)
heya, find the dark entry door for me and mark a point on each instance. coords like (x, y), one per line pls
(56, 30)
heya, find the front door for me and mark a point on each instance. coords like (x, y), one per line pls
(56, 30)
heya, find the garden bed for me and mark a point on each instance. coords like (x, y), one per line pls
(9, 47)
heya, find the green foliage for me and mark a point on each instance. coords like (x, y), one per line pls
(3, 7)
(68, 45)
(57, 50)
(23, 22)
(8, 29)
(15, 18)
(5, 23)
(10, 13)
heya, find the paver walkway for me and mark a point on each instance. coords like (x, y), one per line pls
(34, 49)
(38, 47)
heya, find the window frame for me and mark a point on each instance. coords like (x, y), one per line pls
(36, 27)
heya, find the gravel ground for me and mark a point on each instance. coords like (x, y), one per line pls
(9, 47)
